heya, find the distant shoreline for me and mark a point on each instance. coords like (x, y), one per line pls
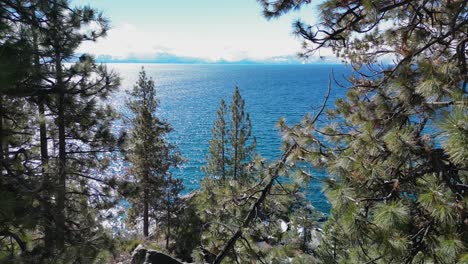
(219, 63)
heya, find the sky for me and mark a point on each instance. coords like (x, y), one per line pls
(212, 30)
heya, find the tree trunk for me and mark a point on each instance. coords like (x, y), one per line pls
(2, 135)
(45, 185)
(145, 206)
(62, 155)
(48, 232)
(223, 155)
(168, 218)
(235, 151)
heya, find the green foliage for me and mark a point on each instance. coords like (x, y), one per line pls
(102, 257)
(396, 146)
(455, 129)
(229, 152)
(239, 133)
(218, 152)
(391, 216)
(15, 64)
(223, 205)
(225, 200)
(128, 245)
(169, 209)
(54, 132)
(93, 251)
(152, 191)
(187, 233)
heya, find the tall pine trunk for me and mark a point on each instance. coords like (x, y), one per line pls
(4, 148)
(223, 155)
(2, 135)
(145, 206)
(62, 155)
(48, 232)
(168, 224)
(235, 150)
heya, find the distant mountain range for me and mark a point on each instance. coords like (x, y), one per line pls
(175, 59)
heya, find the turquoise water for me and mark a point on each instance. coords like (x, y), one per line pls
(190, 94)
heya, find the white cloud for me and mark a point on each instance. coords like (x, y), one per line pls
(127, 40)
(207, 30)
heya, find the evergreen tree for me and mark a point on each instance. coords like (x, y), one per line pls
(239, 211)
(396, 146)
(217, 160)
(189, 226)
(149, 154)
(239, 133)
(170, 207)
(19, 186)
(81, 120)
(224, 208)
(69, 123)
(229, 153)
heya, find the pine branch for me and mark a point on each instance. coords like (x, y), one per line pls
(260, 258)
(266, 190)
(253, 211)
(324, 103)
(447, 103)
(19, 241)
(282, 187)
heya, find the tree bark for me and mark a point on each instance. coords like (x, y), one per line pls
(61, 188)
(48, 232)
(45, 185)
(168, 218)
(236, 145)
(2, 157)
(145, 206)
(223, 155)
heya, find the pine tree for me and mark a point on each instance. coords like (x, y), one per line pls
(396, 146)
(170, 207)
(224, 208)
(149, 153)
(239, 133)
(81, 119)
(19, 186)
(217, 160)
(71, 121)
(229, 152)
(237, 217)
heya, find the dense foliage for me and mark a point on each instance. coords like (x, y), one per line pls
(396, 146)
(280, 227)
(55, 131)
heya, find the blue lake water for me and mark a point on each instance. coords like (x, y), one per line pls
(190, 94)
